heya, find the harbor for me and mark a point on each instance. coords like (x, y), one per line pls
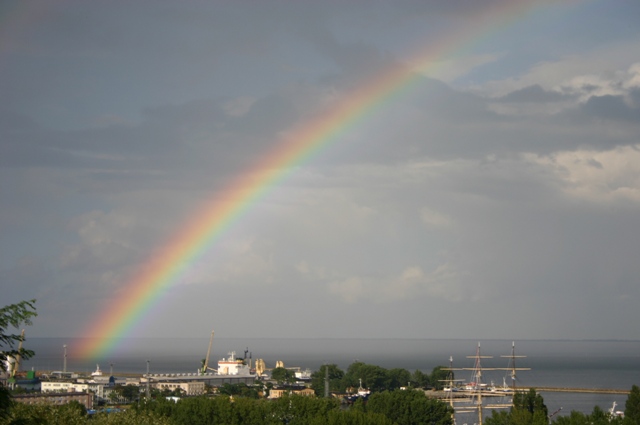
(572, 375)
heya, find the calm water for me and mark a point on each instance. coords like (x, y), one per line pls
(584, 364)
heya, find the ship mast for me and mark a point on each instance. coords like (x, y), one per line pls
(512, 365)
(475, 390)
(477, 379)
(449, 382)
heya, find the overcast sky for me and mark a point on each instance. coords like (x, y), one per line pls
(498, 197)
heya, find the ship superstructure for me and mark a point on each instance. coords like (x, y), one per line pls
(233, 366)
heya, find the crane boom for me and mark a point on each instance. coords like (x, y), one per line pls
(18, 357)
(205, 365)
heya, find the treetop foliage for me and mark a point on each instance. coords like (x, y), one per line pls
(14, 315)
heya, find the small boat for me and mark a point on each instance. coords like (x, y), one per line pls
(361, 394)
(97, 372)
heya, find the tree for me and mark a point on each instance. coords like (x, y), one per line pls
(128, 417)
(15, 315)
(114, 395)
(350, 417)
(199, 410)
(373, 377)
(439, 376)
(530, 401)
(6, 403)
(240, 389)
(597, 417)
(528, 409)
(44, 413)
(409, 407)
(632, 406)
(336, 376)
(397, 378)
(73, 408)
(420, 379)
(128, 392)
(282, 375)
(299, 410)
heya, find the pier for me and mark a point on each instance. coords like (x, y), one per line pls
(579, 390)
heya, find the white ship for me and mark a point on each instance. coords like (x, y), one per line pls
(233, 366)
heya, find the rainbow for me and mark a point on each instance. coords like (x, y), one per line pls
(169, 263)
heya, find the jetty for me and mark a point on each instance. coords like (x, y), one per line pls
(579, 390)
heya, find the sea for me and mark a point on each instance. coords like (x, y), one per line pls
(594, 364)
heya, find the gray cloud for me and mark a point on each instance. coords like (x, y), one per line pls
(534, 93)
(611, 107)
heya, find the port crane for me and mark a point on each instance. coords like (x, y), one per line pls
(14, 366)
(205, 362)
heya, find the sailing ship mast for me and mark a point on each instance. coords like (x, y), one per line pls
(476, 384)
(477, 380)
(450, 388)
(512, 365)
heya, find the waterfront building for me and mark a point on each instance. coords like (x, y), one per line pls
(57, 398)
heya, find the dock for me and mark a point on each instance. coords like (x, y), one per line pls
(578, 390)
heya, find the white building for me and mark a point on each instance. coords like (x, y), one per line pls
(62, 386)
(187, 388)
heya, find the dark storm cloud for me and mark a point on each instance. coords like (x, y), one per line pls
(612, 107)
(200, 132)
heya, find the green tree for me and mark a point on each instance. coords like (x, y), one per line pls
(409, 407)
(632, 406)
(114, 395)
(282, 375)
(199, 411)
(74, 405)
(160, 406)
(373, 377)
(300, 410)
(439, 376)
(530, 401)
(45, 414)
(597, 417)
(130, 393)
(13, 316)
(6, 403)
(129, 417)
(336, 376)
(240, 389)
(251, 411)
(397, 378)
(528, 409)
(574, 418)
(420, 379)
(350, 417)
